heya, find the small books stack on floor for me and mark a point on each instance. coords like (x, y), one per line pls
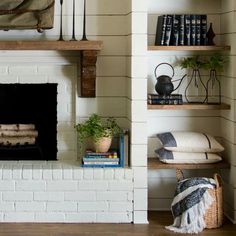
(17, 134)
(173, 99)
(100, 158)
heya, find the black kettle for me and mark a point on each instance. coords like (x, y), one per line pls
(164, 85)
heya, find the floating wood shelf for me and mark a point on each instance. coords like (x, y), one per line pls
(154, 163)
(189, 106)
(189, 48)
(88, 50)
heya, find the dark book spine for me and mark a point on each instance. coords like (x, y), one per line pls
(193, 30)
(181, 30)
(175, 30)
(168, 30)
(157, 96)
(203, 29)
(165, 101)
(198, 29)
(160, 30)
(187, 30)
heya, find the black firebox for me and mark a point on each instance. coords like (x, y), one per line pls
(24, 105)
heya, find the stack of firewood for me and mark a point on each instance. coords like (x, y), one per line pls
(17, 134)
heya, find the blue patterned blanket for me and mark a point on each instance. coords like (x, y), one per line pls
(190, 203)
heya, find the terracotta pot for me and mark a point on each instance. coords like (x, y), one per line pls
(103, 144)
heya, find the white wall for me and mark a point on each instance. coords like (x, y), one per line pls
(228, 117)
(161, 183)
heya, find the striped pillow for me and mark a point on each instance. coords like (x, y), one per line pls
(181, 141)
(186, 157)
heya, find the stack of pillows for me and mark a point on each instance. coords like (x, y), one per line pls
(188, 147)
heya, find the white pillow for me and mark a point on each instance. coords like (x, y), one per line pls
(187, 157)
(181, 141)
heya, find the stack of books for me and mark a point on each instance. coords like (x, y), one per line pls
(181, 30)
(101, 158)
(173, 99)
(117, 156)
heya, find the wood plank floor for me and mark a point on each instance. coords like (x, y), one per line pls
(157, 221)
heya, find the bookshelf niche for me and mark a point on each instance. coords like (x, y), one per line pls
(153, 162)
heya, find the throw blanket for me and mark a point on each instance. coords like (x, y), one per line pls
(190, 204)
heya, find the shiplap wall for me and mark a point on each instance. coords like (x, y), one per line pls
(228, 118)
(161, 183)
(121, 90)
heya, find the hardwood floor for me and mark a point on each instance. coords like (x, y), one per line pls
(157, 221)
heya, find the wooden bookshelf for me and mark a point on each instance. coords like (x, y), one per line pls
(154, 163)
(190, 106)
(87, 50)
(189, 48)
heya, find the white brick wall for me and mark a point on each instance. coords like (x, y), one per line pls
(25, 198)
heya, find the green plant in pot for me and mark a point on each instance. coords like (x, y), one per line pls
(99, 131)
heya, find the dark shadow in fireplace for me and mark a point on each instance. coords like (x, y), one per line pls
(30, 104)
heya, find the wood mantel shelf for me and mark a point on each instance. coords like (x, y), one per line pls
(89, 51)
(51, 45)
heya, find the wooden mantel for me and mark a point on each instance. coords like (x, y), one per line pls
(88, 49)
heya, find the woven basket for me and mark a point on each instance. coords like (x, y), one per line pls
(214, 214)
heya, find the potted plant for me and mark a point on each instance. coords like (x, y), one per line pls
(195, 90)
(100, 132)
(213, 64)
(191, 63)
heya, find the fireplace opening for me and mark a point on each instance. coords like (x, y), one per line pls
(28, 121)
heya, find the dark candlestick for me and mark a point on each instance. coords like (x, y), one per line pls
(61, 37)
(73, 30)
(84, 38)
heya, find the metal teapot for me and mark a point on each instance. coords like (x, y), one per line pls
(164, 85)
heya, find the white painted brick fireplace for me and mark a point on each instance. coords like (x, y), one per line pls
(60, 191)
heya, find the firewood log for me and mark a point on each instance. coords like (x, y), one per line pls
(13, 141)
(18, 133)
(17, 127)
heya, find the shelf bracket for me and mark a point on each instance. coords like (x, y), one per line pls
(88, 73)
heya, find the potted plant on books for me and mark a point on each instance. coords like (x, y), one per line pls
(99, 131)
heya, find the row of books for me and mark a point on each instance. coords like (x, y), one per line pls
(181, 30)
(101, 158)
(115, 157)
(173, 99)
